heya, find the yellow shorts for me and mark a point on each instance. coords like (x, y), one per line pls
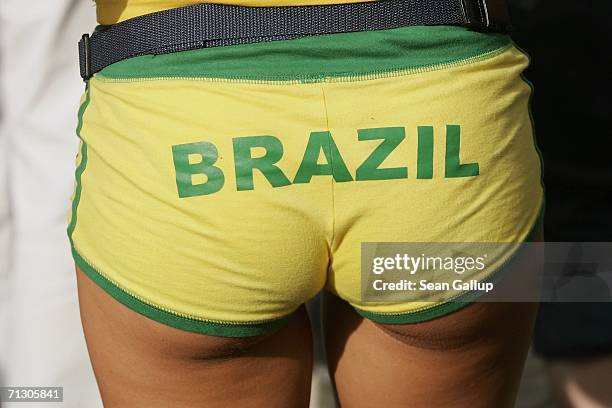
(219, 189)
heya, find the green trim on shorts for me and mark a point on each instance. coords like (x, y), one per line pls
(312, 59)
(81, 168)
(460, 302)
(530, 108)
(193, 325)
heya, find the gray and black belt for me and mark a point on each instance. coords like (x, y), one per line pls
(214, 25)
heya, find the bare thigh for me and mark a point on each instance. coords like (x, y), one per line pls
(471, 358)
(142, 363)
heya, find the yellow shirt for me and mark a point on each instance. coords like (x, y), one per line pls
(113, 11)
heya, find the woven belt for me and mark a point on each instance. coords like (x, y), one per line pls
(214, 25)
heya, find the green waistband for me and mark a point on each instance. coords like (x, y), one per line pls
(311, 59)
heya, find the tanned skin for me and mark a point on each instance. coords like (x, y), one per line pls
(471, 358)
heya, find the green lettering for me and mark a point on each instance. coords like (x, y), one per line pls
(454, 168)
(392, 137)
(335, 166)
(185, 170)
(245, 163)
(425, 153)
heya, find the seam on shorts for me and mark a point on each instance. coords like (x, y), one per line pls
(332, 180)
(459, 302)
(174, 319)
(347, 76)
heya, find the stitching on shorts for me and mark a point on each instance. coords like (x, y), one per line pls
(331, 78)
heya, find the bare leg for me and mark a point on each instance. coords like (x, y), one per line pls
(141, 363)
(470, 358)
